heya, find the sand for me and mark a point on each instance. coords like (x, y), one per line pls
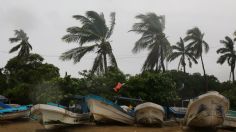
(34, 126)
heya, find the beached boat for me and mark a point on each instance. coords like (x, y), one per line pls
(52, 115)
(207, 110)
(104, 110)
(8, 112)
(176, 112)
(149, 114)
(230, 119)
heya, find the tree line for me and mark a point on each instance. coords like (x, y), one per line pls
(27, 76)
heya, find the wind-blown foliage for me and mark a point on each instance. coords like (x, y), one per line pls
(184, 52)
(151, 86)
(24, 45)
(22, 74)
(198, 45)
(228, 54)
(93, 30)
(153, 39)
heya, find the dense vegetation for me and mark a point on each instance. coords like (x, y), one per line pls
(26, 78)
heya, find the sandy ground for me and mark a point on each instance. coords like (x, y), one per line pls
(34, 126)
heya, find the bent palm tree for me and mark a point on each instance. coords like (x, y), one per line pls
(153, 39)
(195, 36)
(24, 44)
(228, 54)
(179, 50)
(93, 29)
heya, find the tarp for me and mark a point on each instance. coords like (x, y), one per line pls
(4, 106)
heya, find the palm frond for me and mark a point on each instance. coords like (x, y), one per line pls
(206, 46)
(113, 19)
(98, 22)
(175, 47)
(191, 57)
(24, 45)
(15, 48)
(98, 64)
(77, 53)
(152, 59)
(13, 40)
(112, 60)
(71, 38)
(190, 63)
(173, 56)
(222, 50)
(145, 41)
(80, 35)
(222, 59)
(82, 19)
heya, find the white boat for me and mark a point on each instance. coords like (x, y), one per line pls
(56, 116)
(104, 110)
(149, 114)
(207, 110)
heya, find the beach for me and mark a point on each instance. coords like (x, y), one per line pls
(34, 126)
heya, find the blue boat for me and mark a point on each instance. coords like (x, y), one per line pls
(175, 112)
(8, 112)
(104, 110)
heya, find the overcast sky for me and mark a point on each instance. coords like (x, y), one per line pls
(46, 21)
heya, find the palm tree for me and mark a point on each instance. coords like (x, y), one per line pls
(228, 54)
(93, 29)
(198, 45)
(153, 39)
(179, 50)
(24, 45)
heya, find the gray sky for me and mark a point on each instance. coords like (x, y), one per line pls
(45, 22)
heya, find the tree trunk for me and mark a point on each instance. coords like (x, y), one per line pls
(162, 60)
(184, 69)
(232, 71)
(184, 64)
(105, 62)
(204, 72)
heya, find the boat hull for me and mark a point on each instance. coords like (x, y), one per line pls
(55, 116)
(15, 115)
(103, 112)
(208, 110)
(149, 114)
(230, 119)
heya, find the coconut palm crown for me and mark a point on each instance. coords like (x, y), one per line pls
(228, 53)
(153, 39)
(198, 46)
(24, 46)
(184, 52)
(92, 36)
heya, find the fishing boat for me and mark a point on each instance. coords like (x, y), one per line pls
(105, 111)
(52, 115)
(207, 110)
(175, 112)
(149, 114)
(8, 112)
(230, 119)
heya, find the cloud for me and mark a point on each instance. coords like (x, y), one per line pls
(19, 18)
